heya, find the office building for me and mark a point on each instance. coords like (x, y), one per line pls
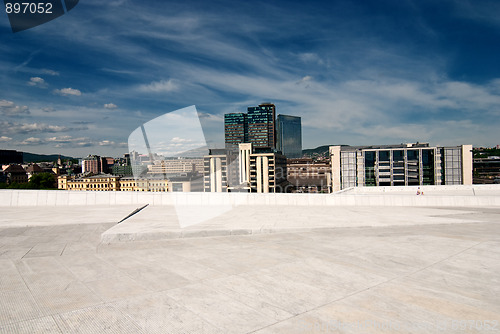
(289, 136)
(308, 176)
(486, 170)
(235, 129)
(91, 164)
(268, 173)
(400, 165)
(261, 125)
(10, 157)
(176, 166)
(215, 171)
(249, 170)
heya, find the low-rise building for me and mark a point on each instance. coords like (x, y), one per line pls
(15, 174)
(99, 182)
(308, 176)
(400, 165)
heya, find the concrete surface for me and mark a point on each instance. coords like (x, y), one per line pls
(435, 196)
(363, 269)
(162, 222)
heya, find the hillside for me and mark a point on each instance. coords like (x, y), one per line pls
(32, 157)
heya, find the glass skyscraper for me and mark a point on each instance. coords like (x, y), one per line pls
(235, 129)
(289, 136)
(261, 125)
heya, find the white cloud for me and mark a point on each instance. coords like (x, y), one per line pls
(180, 140)
(10, 127)
(110, 106)
(67, 92)
(106, 143)
(9, 108)
(162, 86)
(4, 139)
(48, 109)
(37, 82)
(32, 141)
(50, 72)
(310, 57)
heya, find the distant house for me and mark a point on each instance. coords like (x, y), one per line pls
(16, 174)
(33, 169)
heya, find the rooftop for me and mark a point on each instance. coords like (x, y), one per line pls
(249, 268)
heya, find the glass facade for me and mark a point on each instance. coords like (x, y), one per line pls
(400, 165)
(289, 136)
(370, 159)
(348, 170)
(261, 119)
(428, 172)
(235, 129)
(452, 165)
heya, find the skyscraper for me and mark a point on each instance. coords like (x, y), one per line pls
(261, 125)
(289, 136)
(235, 129)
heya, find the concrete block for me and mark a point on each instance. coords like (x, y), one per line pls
(62, 197)
(204, 233)
(241, 231)
(27, 198)
(77, 198)
(124, 198)
(51, 198)
(144, 197)
(5, 197)
(92, 197)
(167, 199)
(99, 198)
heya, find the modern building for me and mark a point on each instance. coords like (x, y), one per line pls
(122, 170)
(261, 125)
(268, 173)
(399, 165)
(248, 170)
(486, 170)
(91, 164)
(176, 166)
(289, 136)
(10, 157)
(188, 183)
(235, 129)
(215, 171)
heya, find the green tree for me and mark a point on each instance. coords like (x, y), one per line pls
(42, 181)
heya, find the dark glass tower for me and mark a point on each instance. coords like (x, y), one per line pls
(261, 125)
(235, 129)
(289, 136)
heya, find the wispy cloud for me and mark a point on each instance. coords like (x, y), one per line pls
(350, 70)
(110, 106)
(20, 128)
(37, 82)
(162, 86)
(67, 92)
(9, 108)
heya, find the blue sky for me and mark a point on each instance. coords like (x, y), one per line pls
(357, 72)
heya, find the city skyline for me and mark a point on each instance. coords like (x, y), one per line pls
(356, 73)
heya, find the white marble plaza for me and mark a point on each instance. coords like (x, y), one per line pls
(265, 267)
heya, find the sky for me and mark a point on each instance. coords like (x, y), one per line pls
(357, 72)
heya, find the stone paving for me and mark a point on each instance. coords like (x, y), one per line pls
(410, 278)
